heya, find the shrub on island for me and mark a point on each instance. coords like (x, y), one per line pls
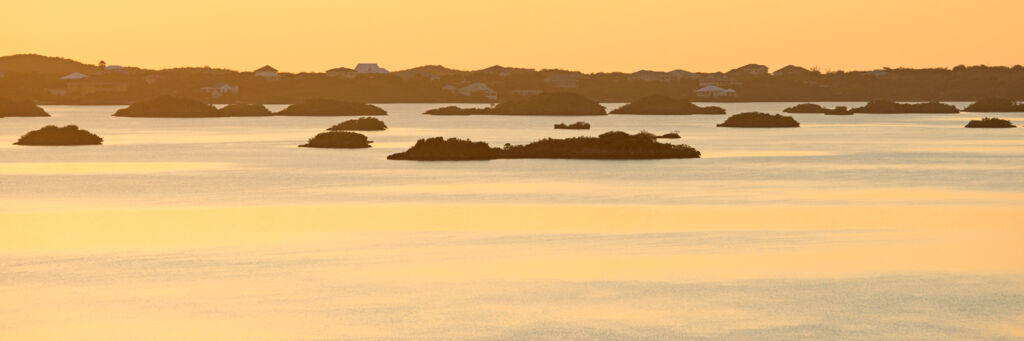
(890, 107)
(614, 145)
(338, 139)
(577, 126)
(360, 124)
(167, 106)
(23, 108)
(995, 105)
(806, 108)
(759, 120)
(545, 104)
(234, 110)
(990, 122)
(51, 135)
(327, 107)
(664, 105)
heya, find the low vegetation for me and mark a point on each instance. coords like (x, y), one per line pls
(167, 106)
(24, 108)
(577, 126)
(51, 135)
(890, 107)
(990, 122)
(360, 124)
(614, 145)
(327, 107)
(338, 139)
(545, 104)
(664, 105)
(239, 110)
(995, 105)
(759, 120)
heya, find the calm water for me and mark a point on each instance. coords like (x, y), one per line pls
(850, 227)
(229, 161)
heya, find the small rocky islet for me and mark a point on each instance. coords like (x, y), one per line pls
(70, 135)
(759, 120)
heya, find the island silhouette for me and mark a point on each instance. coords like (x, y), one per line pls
(578, 125)
(22, 108)
(338, 139)
(360, 124)
(995, 105)
(51, 135)
(759, 120)
(614, 145)
(544, 104)
(990, 122)
(665, 105)
(890, 107)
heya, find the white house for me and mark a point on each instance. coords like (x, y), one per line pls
(220, 89)
(370, 68)
(712, 91)
(73, 76)
(266, 72)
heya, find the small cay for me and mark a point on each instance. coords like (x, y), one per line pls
(338, 139)
(664, 105)
(170, 107)
(327, 107)
(615, 145)
(990, 122)
(545, 104)
(360, 124)
(995, 105)
(890, 107)
(578, 126)
(25, 108)
(759, 120)
(59, 136)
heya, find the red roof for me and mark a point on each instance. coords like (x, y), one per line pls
(266, 68)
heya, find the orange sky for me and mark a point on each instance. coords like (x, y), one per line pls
(592, 36)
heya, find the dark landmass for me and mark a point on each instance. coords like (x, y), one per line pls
(551, 104)
(545, 104)
(990, 122)
(995, 105)
(759, 120)
(806, 108)
(890, 107)
(238, 110)
(360, 124)
(840, 110)
(338, 139)
(664, 105)
(23, 108)
(670, 136)
(59, 136)
(167, 106)
(456, 111)
(452, 149)
(577, 125)
(327, 107)
(614, 145)
(38, 78)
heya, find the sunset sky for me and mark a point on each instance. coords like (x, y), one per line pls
(591, 36)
